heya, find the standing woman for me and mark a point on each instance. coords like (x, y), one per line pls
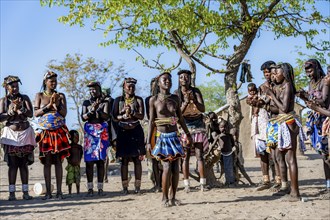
(128, 109)
(192, 108)
(289, 125)
(96, 136)
(18, 137)
(50, 107)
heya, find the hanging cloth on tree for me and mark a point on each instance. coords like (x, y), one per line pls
(246, 71)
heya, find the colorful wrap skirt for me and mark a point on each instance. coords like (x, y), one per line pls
(278, 133)
(96, 141)
(317, 125)
(168, 147)
(54, 136)
(198, 134)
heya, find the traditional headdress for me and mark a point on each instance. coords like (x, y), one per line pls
(93, 84)
(10, 79)
(49, 74)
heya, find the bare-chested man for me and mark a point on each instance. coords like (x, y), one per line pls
(17, 137)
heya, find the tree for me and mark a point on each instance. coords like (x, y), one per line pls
(76, 72)
(213, 94)
(199, 30)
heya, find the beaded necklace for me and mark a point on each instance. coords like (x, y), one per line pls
(129, 101)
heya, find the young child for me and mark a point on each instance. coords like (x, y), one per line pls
(226, 144)
(73, 168)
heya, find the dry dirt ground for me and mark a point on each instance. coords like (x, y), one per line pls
(242, 202)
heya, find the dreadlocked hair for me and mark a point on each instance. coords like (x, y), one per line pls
(288, 74)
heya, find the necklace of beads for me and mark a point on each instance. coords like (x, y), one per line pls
(47, 94)
(129, 101)
(163, 97)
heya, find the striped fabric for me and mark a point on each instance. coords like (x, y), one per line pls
(168, 147)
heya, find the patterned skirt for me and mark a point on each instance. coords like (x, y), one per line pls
(168, 147)
(54, 142)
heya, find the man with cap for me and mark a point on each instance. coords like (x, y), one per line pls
(96, 137)
(18, 137)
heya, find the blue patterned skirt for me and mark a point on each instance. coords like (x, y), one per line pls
(168, 147)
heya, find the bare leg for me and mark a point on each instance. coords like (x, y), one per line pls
(124, 174)
(137, 173)
(166, 182)
(264, 163)
(59, 175)
(24, 171)
(47, 175)
(291, 159)
(200, 160)
(100, 176)
(106, 170)
(70, 188)
(175, 181)
(89, 174)
(185, 168)
(12, 175)
(156, 173)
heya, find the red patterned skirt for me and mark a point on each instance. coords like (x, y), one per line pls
(54, 142)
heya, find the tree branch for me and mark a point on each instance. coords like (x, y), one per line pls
(223, 57)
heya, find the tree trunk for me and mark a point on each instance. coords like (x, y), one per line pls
(234, 110)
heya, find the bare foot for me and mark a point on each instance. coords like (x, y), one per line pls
(290, 198)
(166, 203)
(282, 192)
(175, 202)
(275, 188)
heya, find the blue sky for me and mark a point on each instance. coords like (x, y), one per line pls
(31, 36)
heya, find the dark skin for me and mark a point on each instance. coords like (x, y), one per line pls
(285, 103)
(254, 100)
(326, 112)
(55, 102)
(155, 164)
(128, 114)
(195, 97)
(18, 111)
(264, 159)
(76, 154)
(95, 111)
(164, 109)
(316, 82)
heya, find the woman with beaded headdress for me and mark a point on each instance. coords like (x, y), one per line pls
(128, 109)
(288, 128)
(96, 136)
(18, 137)
(50, 107)
(192, 108)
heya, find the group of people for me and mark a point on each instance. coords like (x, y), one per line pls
(275, 126)
(176, 131)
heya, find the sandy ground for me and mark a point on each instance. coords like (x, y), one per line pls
(242, 202)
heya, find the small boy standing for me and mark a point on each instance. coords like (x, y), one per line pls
(73, 168)
(226, 143)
